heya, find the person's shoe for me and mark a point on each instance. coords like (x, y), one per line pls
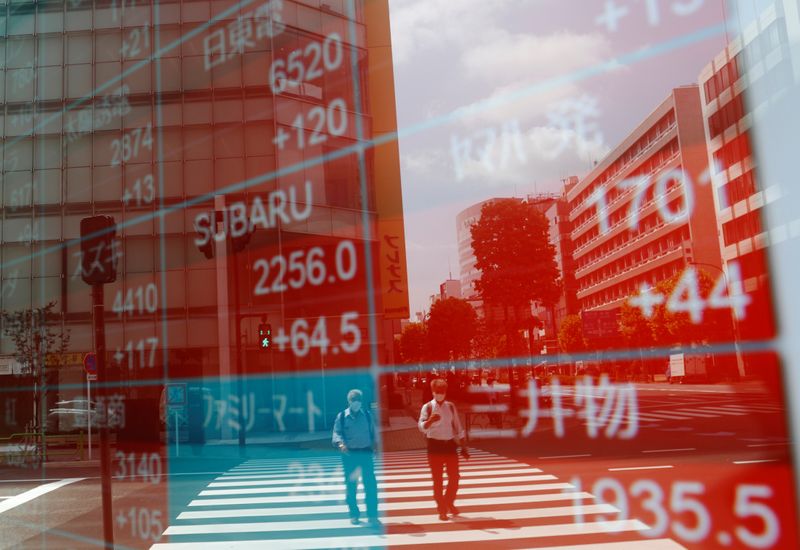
(355, 521)
(443, 516)
(375, 523)
(452, 509)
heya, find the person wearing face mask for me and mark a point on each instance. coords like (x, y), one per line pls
(440, 423)
(354, 437)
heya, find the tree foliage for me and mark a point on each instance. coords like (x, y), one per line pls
(570, 335)
(514, 255)
(36, 336)
(666, 327)
(414, 343)
(452, 326)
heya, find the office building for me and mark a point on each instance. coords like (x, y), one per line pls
(212, 124)
(645, 211)
(755, 64)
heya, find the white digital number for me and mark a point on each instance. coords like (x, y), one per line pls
(305, 267)
(744, 507)
(331, 121)
(137, 301)
(305, 65)
(127, 147)
(348, 326)
(148, 467)
(620, 501)
(654, 504)
(729, 292)
(134, 349)
(143, 191)
(137, 41)
(662, 189)
(146, 524)
(681, 501)
(686, 296)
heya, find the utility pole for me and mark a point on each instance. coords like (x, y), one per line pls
(98, 267)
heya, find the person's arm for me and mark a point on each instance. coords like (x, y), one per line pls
(338, 433)
(426, 418)
(458, 429)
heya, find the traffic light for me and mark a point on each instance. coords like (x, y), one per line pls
(203, 226)
(239, 242)
(207, 249)
(98, 250)
(264, 335)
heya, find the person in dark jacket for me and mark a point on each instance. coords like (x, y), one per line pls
(354, 436)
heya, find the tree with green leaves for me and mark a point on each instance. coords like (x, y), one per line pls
(667, 326)
(414, 343)
(570, 335)
(452, 327)
(37, 335)
(517, 264)
(514, 255)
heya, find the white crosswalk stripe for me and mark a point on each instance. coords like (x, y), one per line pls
(706, 411)
(298, 503)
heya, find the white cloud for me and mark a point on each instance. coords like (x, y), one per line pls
(508, 57)
(419, 25)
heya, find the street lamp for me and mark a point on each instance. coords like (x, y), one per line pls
(734, 325)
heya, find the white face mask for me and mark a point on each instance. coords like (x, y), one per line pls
(355, 406)
(439, 397)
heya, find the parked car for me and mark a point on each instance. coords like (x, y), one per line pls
(70, 416)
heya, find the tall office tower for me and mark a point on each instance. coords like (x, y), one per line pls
(560, 229)
(645, 211)
(756, 64)
(232, 143)
(468, 273)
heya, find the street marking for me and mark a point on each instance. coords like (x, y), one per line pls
(665, 467)
(464, 503)
(339, 473)
(667, 415)
(437, 537)
(427, 519)
(752, 408)
(381, 495)
(425, 470)
(498, 503)
(562, 456)
(669, 450)
(697, 414)
(291, 486)
(755, 461)
(768, 444)
(657, 544)
(720, 410)
(36, 492)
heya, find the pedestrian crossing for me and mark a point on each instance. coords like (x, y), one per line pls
(681, 412)
(299, 504)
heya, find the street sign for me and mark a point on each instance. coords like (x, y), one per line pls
(600, 324)
(91, 377)
(176, 395)
(90, 364)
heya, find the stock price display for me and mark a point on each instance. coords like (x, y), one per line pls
(353, 273)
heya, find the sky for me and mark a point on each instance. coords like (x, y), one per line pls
(509, 97)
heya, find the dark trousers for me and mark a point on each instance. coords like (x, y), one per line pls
(358, 463)
(443, 454)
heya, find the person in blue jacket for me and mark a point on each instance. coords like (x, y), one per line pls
(354, 436)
